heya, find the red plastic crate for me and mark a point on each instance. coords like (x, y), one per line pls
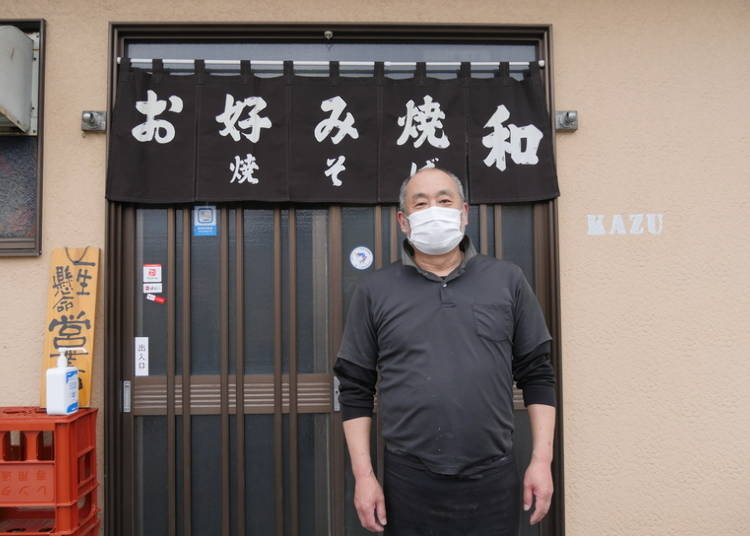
(46, 460)
(38, 528)
(91, 528)
(62, 520)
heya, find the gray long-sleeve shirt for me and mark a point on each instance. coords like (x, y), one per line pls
(447, 350)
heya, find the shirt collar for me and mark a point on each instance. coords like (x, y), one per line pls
(466, 245)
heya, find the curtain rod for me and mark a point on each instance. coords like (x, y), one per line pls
(307, 63)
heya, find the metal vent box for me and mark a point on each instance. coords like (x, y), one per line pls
(16, 81)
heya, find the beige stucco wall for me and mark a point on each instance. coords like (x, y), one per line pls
(654, 327)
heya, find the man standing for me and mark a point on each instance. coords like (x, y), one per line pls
(448, 330)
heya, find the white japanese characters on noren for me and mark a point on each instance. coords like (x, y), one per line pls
(335, 166)
(345, 127)
(499, 144)
(152, 127)
(335, 106)
(253, 122)
(422, 123)
(431, 163)
(243, 169)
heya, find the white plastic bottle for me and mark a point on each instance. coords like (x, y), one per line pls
(62, 386)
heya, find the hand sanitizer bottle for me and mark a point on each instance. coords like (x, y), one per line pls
(62, 386)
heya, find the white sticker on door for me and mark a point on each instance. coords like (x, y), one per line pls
(152, 273)
(152, 288)
(141, 356)
(204, 220)
(361, 258)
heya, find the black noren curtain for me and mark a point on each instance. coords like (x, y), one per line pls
(179, 138)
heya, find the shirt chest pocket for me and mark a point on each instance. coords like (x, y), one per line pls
(493, 321)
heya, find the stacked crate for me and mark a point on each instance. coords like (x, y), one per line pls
(48, 481)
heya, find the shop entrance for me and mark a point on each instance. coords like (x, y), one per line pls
(235, 430)
(230, 421)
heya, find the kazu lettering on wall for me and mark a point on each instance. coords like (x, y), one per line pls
(625, 224)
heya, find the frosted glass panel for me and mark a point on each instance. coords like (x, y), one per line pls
(18, 193)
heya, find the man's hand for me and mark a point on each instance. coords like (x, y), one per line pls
(370, 503)
(368, 495)
(537, 484)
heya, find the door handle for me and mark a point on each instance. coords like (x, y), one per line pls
(336, 392)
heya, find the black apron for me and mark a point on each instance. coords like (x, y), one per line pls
(422, 503)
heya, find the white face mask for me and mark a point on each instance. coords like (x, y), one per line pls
(435, 230)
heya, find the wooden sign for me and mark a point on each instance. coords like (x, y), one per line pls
(71, 315)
